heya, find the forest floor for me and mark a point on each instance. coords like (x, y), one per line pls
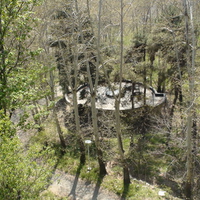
(65, 185)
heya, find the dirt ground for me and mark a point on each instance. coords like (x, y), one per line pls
(64, 185)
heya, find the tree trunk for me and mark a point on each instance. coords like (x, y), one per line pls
(102, 167)
(171, 114)
(126, 176)
(78, 133)
(188, 14)
(60, 133)
(93, 91)
(145, 84)
(72, 75)
(3, 79)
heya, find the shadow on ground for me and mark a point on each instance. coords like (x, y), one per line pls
(75, 184)
(97, 187)
(73, 190)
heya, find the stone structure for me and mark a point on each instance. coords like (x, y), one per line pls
(132, 96)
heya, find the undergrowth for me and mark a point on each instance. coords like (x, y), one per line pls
(150, 159)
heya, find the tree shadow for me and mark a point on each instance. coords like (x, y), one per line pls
(125, 191)
(97, 187)
(73, 190)
(60, 154)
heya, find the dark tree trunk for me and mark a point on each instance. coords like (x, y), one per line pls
(3, 77)
(132, 95)
(188, 190)
(102, 167)
(145, 83)
(161, 82)
(195, 134)
(82, 151)
(127, 180)
(60, 133)
(176, 94)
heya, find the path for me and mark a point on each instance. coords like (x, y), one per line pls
(65, 185)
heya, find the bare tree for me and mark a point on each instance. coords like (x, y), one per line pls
(48, 59)
(93, 83)
(126, 177)
(67, 40)
(117, 102)
(73, 82)
(117, 97)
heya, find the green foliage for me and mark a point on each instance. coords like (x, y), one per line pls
(24, 174)
(17, 68)
(5, 127)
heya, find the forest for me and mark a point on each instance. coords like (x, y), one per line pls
(105, 91)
